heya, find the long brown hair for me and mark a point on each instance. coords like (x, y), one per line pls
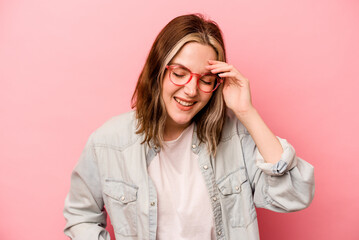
(150, 109)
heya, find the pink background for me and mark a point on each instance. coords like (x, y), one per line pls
(68, 66)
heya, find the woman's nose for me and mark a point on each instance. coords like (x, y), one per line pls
(191, 88)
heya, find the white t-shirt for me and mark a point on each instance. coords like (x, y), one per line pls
(184, 207)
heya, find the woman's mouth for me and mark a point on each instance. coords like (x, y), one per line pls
(184, 103)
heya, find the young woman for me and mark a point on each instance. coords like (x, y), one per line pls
(194, 158)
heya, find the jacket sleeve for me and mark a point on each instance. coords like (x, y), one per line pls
(84, 207)
(285, 186)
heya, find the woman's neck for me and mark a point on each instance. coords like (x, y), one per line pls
(173, 130)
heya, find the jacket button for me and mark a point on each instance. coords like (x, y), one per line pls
(214, 199)
(122, 198)
(194, 146)
(205, 167)
(153, 204)
(237, 188)
(219, 233)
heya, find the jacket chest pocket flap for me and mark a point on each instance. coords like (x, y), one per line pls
(232, 183)
(237, 198)
(122, 206)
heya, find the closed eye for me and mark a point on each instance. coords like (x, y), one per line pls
(206, 82)
(178, 75)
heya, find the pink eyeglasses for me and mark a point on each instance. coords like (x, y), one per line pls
(180, 76)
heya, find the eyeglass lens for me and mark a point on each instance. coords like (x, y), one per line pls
(181, 76)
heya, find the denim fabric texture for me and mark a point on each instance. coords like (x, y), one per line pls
(111, 177)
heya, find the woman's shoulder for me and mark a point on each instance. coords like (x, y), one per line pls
(118, 131)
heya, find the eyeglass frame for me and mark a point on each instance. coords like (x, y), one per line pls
(199, 76)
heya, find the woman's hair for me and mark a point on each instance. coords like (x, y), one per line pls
(150, 108)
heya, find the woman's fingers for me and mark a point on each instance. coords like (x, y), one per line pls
(218, 66)
(225, 68)
(214, 64)
(227, 74)
(232, 75)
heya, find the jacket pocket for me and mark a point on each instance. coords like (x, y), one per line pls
(237, 199)
(121, 205)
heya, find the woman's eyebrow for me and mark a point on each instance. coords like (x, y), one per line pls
(179, 64)
(174, 63)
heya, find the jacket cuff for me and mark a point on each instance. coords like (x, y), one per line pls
(286, 162)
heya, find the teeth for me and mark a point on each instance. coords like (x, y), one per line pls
(184, 103)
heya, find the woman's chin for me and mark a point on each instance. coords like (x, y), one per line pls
(180, 121)
(183, 122)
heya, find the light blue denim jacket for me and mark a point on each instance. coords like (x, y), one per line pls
(112, 173)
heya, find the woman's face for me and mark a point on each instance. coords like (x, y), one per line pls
(184, 102)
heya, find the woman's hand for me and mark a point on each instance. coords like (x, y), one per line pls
(237, 96)
(236, 91)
